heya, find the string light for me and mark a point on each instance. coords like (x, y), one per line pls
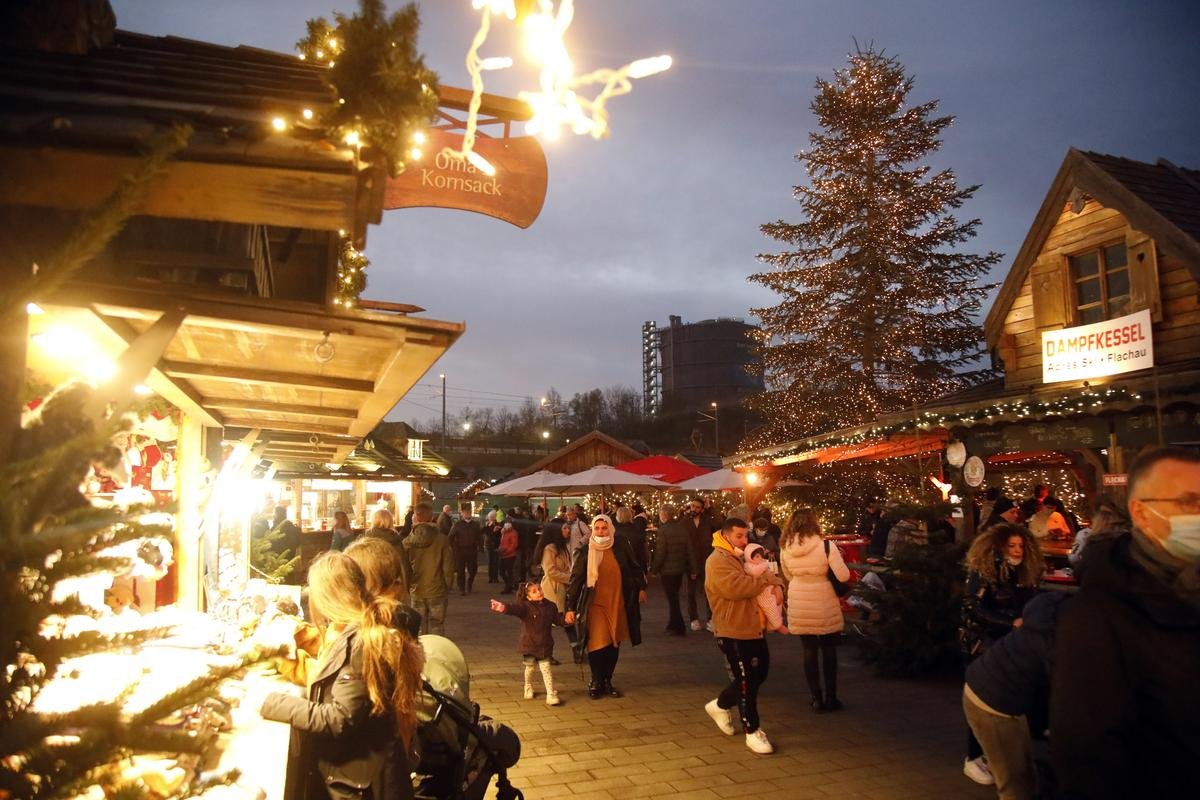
(558, 102)
(279, 123)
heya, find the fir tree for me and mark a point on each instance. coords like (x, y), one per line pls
(268, 560)
(50, 533)
(878, 312)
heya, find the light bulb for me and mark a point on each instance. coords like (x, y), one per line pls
(480, 163)
(645, 67)
(279, 123)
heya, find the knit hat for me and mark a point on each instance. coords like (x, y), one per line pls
(1002, 505)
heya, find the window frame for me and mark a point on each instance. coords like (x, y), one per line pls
(1101, 276)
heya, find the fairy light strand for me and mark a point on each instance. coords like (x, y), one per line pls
(558, 102)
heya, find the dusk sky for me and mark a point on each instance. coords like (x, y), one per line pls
(663, 217)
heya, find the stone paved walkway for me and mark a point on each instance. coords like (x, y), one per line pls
(895, 739)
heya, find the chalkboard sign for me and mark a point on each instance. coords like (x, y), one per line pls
(1065, 434)
(1180, 425)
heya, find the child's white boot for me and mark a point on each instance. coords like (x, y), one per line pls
(548, 679)
(530, 669)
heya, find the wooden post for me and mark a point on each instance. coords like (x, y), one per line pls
(189, 540)
(13, 339)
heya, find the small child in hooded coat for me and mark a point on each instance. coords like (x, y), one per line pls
(536, 643)
(755, 556)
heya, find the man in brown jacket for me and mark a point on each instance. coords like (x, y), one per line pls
(739, 631)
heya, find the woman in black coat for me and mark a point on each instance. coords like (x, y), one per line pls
(1004, 566)
(606, 590)
(350, 736)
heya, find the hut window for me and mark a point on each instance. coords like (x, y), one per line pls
(1101, 279)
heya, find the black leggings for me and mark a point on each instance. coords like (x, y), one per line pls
(748, 661)
(826, 643)
(603, 663)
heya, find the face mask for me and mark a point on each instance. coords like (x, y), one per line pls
(1183, 541)
(1012, 562)
(601, 540)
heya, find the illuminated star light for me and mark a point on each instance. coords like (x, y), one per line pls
(558, 102)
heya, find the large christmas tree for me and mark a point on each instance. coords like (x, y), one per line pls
(877, 312)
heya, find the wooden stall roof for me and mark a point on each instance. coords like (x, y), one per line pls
(64, 115)
(372, 460)
(1161, 200)
(1137, 392)
(587, 451)
(314, 380)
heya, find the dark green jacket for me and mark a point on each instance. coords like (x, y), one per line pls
(429, 554)
(673, 551)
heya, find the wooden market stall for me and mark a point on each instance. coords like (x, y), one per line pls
(1097, 331)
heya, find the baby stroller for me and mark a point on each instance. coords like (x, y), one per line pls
(460, 750)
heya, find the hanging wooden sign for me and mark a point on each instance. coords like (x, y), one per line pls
(514, 194)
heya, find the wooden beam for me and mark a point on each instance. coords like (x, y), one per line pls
(280, 425)
(493, 105)
(290, 198)
(277, 437)
(179, 394)
(239, 404)
(264, 377)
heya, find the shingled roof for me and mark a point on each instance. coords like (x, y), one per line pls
(1162, 200)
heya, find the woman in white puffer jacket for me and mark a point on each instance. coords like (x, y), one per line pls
(814, 611)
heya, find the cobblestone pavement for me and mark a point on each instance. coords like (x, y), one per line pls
(894, 739)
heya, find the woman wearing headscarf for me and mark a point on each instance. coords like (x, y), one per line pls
(352, 731)
(606, 589)
(1004, 566)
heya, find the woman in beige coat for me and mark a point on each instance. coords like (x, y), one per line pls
(814, 611)
(555, 558)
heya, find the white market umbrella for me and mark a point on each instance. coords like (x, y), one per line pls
(721, 480)
(524, 485)
(605, 480)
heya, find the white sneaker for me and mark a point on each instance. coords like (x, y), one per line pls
(528, 692)
(695, 625)
(552, 699)
(708, 626)
(758, 742)
(722, 716)
(977, 770)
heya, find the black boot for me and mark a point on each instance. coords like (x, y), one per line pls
(595, 689)
(611, 690)
(832, 703)
(818, 705)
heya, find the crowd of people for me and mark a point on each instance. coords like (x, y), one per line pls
(1108, 671)
(1103, 680)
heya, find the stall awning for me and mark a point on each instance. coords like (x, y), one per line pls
(372, 460)
(313, 379)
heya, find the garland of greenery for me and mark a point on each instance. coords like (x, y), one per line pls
(351, 275)
(386, 94)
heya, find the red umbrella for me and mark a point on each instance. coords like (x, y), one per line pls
(665, 468)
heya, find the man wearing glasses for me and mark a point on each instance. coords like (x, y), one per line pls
(1125, 705)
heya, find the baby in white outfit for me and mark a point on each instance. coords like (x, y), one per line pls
(756, 564)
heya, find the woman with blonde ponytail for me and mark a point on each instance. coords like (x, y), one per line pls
(351, 734)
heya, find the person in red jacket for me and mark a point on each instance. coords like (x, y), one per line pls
(509, 544)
